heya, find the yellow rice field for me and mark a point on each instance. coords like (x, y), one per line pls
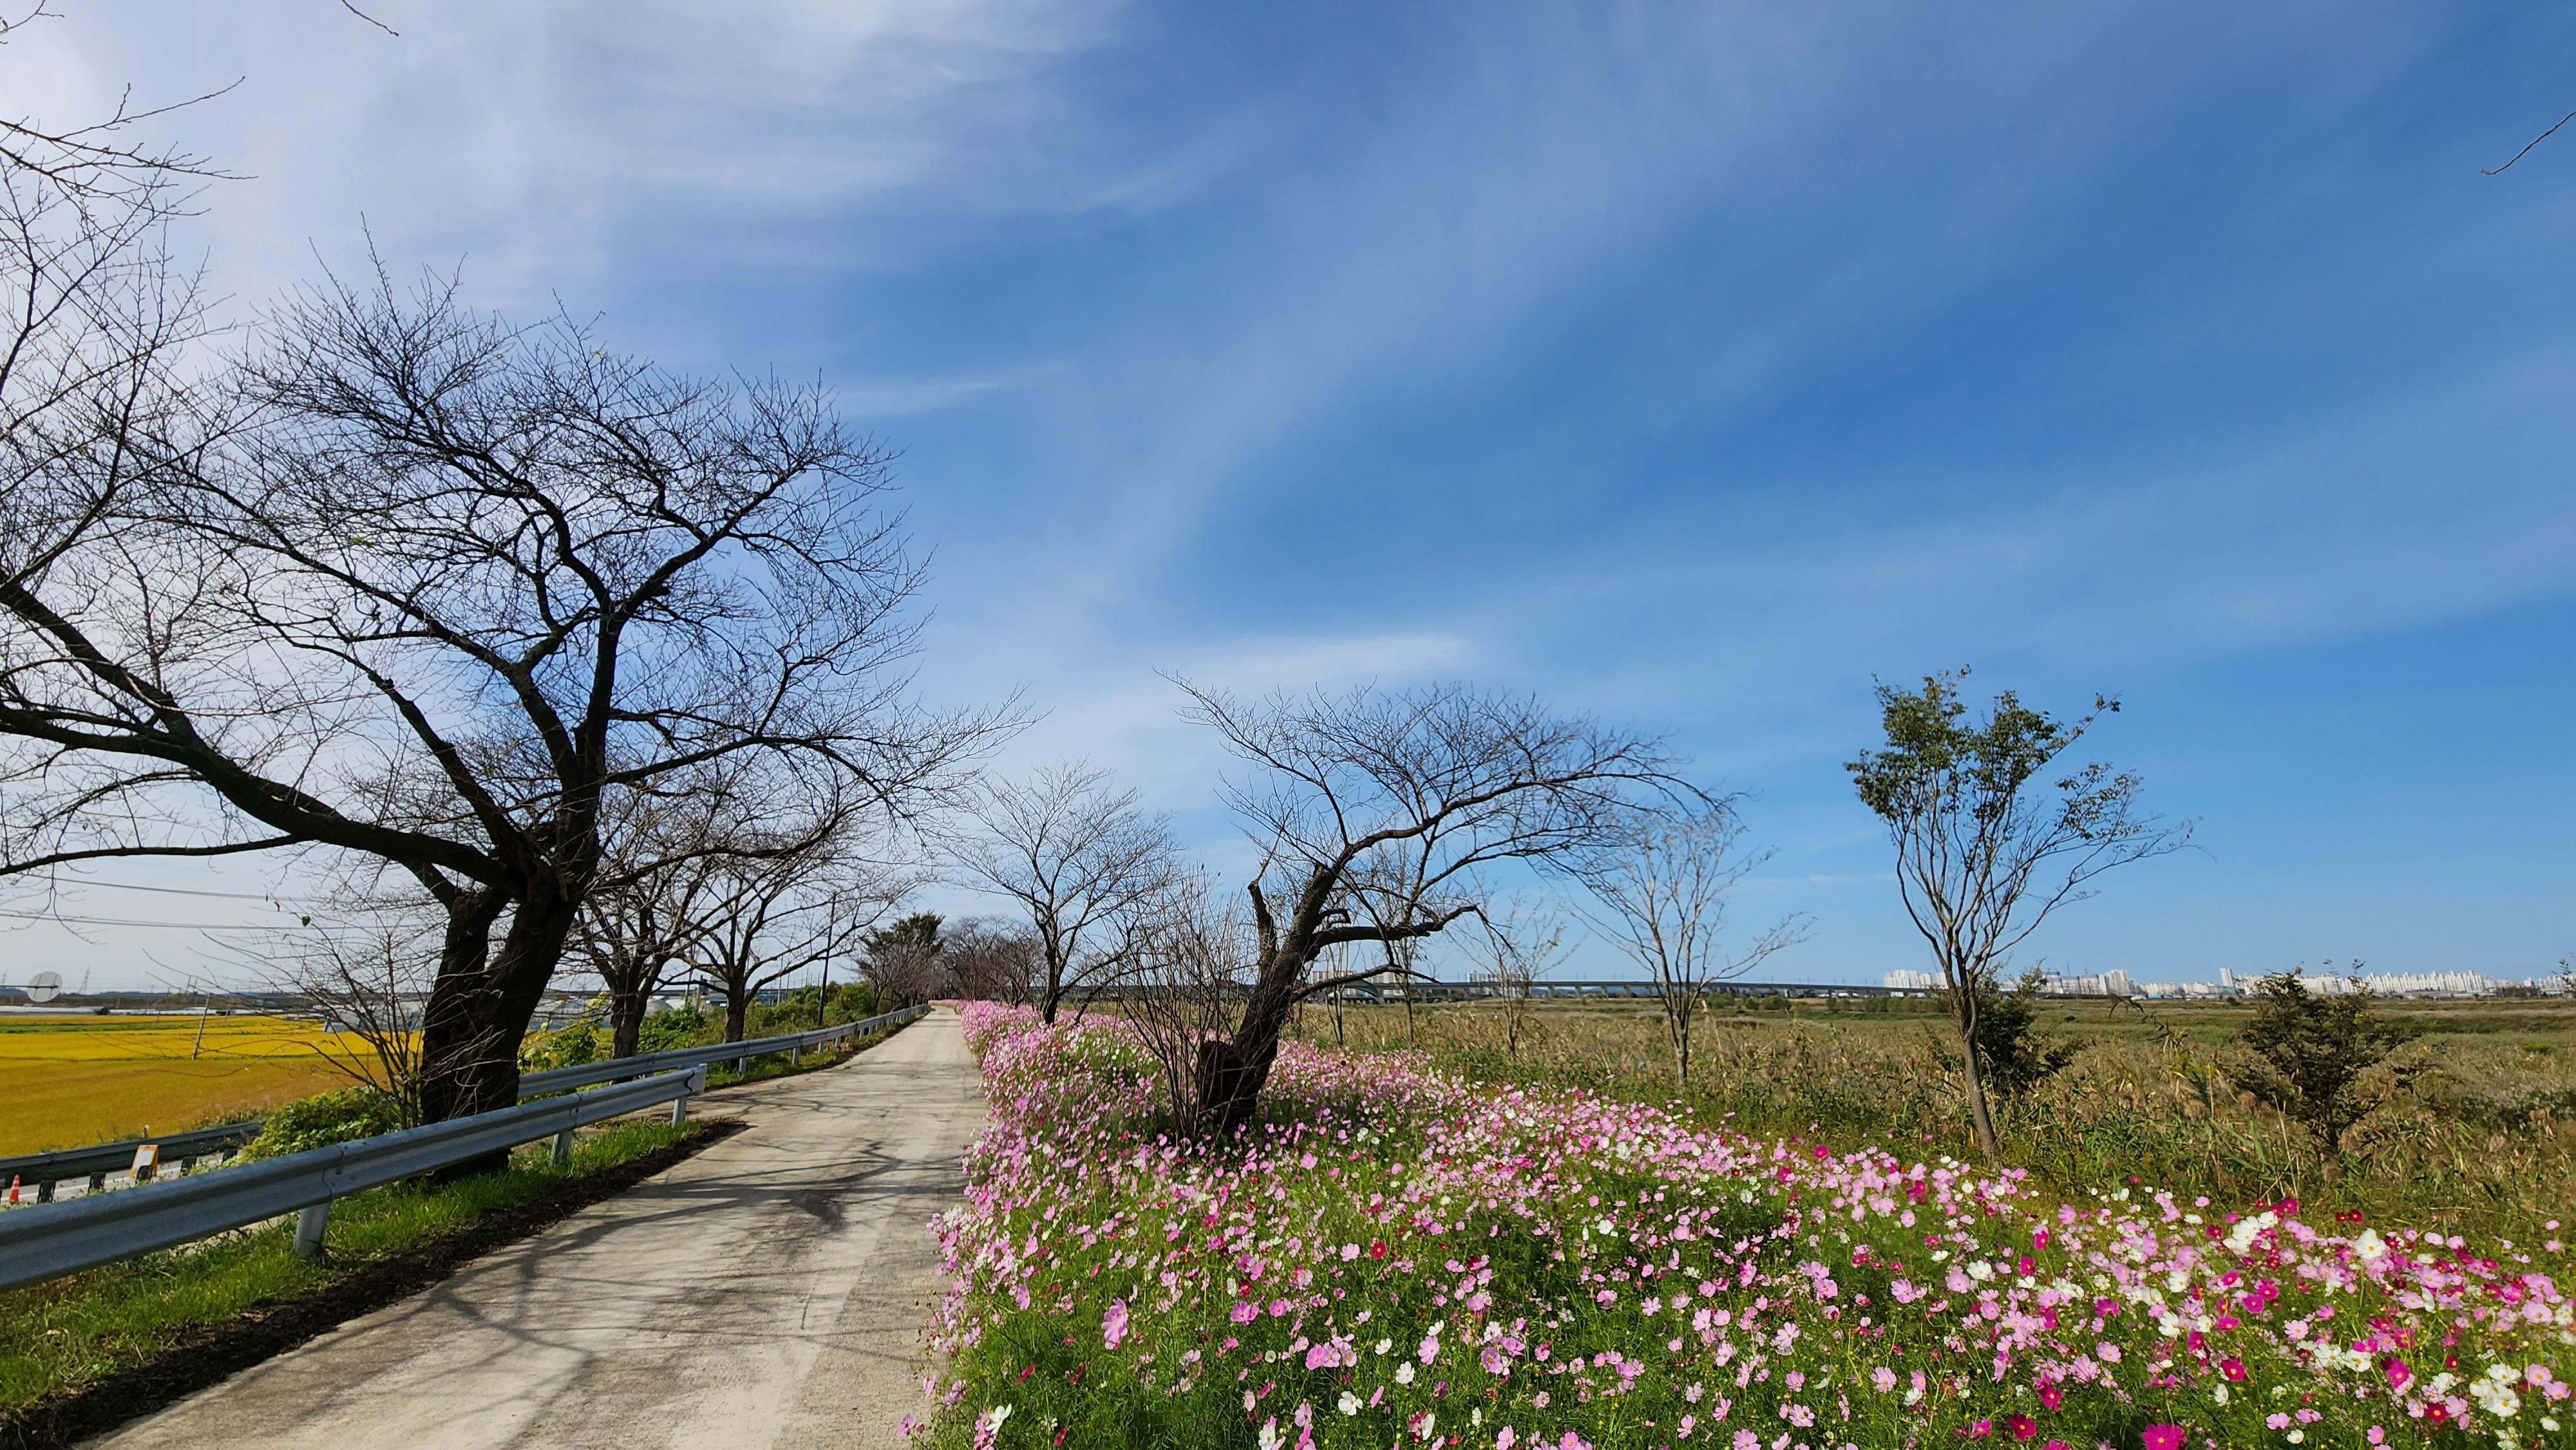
(66, 1081)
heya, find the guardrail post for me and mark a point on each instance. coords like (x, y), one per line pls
(795, 1055)
(679, 1110)
(563, 1149)
(309, 1226)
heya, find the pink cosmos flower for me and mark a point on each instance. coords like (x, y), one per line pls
(2397, 1372)
(2163, 1437)
(2233, 1369)
(2023, 1427)
(1113, 1325)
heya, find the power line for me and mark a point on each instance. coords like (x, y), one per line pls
(172, 890)
(177, 925)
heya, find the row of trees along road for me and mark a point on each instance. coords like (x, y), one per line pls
(467, 602)
(562, 647)
(1379, 814)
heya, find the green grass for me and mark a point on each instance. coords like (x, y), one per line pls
(2481, 1140)
(75, 1330)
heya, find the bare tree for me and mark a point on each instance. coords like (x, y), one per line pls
(634, 934)
(1986, 846)
(662, 851)
(460, 587)
(1075, 856)
(1182, 988)
(984, 962)
(761, 921)
(97, 327)
(369, 973)
(1374, 810)
(1512, 949)
(1658, 888)
(97, 163)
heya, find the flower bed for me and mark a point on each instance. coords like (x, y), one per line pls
(1395, 1258)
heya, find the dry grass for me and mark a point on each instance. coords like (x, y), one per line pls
(67, 1081)
(2482, 1138)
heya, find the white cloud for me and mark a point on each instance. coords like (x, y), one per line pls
(542, 139)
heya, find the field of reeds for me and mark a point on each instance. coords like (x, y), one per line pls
(1400, 1255)
(2476, 1130)
(66, 1081)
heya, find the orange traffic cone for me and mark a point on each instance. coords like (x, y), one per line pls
(13, 1188)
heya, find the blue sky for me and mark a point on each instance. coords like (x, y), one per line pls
(1692, 364)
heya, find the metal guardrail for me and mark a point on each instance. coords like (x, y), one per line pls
(44, 1170)
(53, 1239)
(561, 1079)
(39, 1172)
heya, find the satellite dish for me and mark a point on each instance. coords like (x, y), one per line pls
(44, 987)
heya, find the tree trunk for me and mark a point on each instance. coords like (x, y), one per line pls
(1231, 1074)
(453, 1021)
(1682, 1039)
(626, 1008)
(474, 1066)
(1963, 1005)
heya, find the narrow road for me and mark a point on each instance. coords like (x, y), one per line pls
(769, 1291)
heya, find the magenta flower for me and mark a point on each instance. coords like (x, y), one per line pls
(2163, 1437)
(2023, 1427)
(2397, 1372)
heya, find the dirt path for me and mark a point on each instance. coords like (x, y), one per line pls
(769, 1291)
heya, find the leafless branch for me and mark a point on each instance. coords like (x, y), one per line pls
(2526, 150)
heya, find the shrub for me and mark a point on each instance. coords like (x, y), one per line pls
(2017, 1057)
(2308, 1054)
(679, 1027)
(328, 1118)
(568, 1046)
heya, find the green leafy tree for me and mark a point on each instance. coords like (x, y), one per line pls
(901, 960)
(2308, 1053)
(1992, 835)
